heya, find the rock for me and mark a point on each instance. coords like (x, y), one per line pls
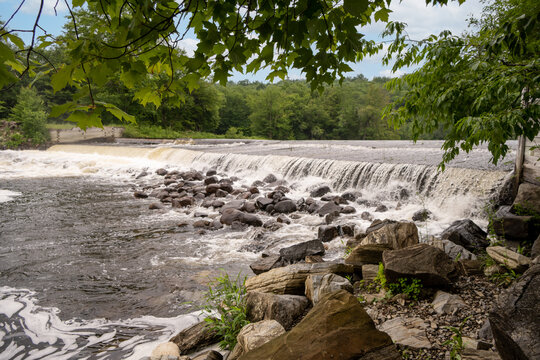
(141, 175)
(448, 304)
(509, 258)
(195, 337)
(422, 215)
(366, 254)
(226, 186)
(266, 263)
(320, 191)
(285, 206)
(254, 335)
(221, 193)
(165, 349)
(366, 216)
(456, 251)
(535, 250)
(327, 233)
(312, 259)
(140, 194)
(514, 227)
(527, 198)
(471, 267)
(396, 235)
(231, 215)
(338, 327)
(492, 270)
(208, 355)
(485, 332)
(155, 206)
(212, 188)
(263, 202)
(319, 285)
(467, 234)
(369, 272)
(515, 319)
(329, 218)
(425, 262)
(234, 204)
(218, 203)
(291, 279)
(348, 210)
(381, 208)
(182, 202)
(285, 309)
(270, 178)
(211, 172)
(407, 331)
(161, 172)
(283, 219)
(201, 223)
(168, 182)
(328, 208)
(216, 224)
(351, 195)
(297, 252)
(472, 354)
(251, 220)
(211, 180)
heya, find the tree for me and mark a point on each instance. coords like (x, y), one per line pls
(137, 38)
(481, 87)
(268, 114)
(30, 114)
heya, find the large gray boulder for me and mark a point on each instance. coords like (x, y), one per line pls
(231, 215)
(366, 254)
(515, 319)
(396, 235)
(298, 252)
(266, 263)
(194, 338)
(407, 331)
(467, 234)
(319, 285)
(285, 206)
(422, 261)
(337, 327)
(527, 198)
(329, 208)
(514, 227)
(285, 309)
(320, 191)
(509, 258)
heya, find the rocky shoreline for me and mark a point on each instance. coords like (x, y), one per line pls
(391, 297)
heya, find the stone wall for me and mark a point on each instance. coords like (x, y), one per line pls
(76, 134)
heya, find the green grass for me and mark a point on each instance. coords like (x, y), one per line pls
(156, 132)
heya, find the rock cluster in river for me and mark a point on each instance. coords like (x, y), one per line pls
(302, 307)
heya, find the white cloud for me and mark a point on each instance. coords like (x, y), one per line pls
(188, 45)
(32, 7)
(390, 74)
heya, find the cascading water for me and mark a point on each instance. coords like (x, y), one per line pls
(88, 271)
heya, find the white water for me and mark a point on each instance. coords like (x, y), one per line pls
(454, 194)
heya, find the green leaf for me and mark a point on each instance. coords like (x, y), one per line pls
(60, 79)
(85, 119)
(148, 95)
(58, 110)
(16, 40)
(355, 7)
(16, 65)
(119, 114)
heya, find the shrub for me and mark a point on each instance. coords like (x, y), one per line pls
(226, 297)
(410, 287)
(30, 114)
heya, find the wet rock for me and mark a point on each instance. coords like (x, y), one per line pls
(161, 172)
(285, 207)
(285, 309)
(249, 206)
(168, 182)
(319, 285)
(266, 263)
(211, 180)
(509, 258)
(381, 208)
(367, 254)
(379, 224)
(182, 202)
(141, 175)
(327, 233)
(273, 225)
(467, 234)
(201, 223)
(297, 252)
(233, 204)
(258, 183)
(140, 194)
(425, 262)
(320, 191)
(211, 172)
(366, 216)
(312, 259)
(348, 210)
(212, 188)
(262, 202)
(195, 337)
(515, 320)
(351, 195)
(346, 229)
(514, 227)
(329, 218)
(231, 215)
(422, 215)
(448, 304)
(165, 350)
(155, 206)
(254, 335)
(407, 331)
(283, 219)
(216, 224)
(396, 235)
(251, 220)
(337, 336)
(270, 178)
(329, 207)
(227, 187)
(221, 193)
(291, 279)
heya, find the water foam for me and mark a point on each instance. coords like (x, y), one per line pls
(8, 195)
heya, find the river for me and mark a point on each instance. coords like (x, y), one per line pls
(88, 271)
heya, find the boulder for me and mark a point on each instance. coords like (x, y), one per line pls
(211, 172)
(407, 331)
(285, 309)
(168, 349)
(233, 204)
(337, 327)
(448, 304)
(155, 206)
(351, 195)
(348, 210)
(514, 227)
(208, 355)
(515, 319)
(161, 172)
(456, 251)
(472, 354)
(140, 194)
(327, 233)
(381, 208)
(270, 178)
(467, 234)
(283, 219)
(226, 186)
(195, 337)
(285, 206)
(254, 335)
(366, 216)
(298, 252)
(509, 258)
(425, 262)
(291, 279)
(320, 191)
(422, 215)
(328, 208)
(262, 202)
(527, 198)
(221, 193)
(369, 272)
(535, 251)
(266, 263)
(366, 254)
(471, 267)
(182, 202)
(396, 235)
(229, 216)
(319, 285)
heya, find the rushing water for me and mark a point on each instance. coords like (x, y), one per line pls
(88, 271)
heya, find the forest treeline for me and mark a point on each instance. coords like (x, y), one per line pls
(286, 110)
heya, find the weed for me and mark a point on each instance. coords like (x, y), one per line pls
(456, 341)
(380, 280)
(410, 287)
(349, 277)
(504, 278)
(226, 296)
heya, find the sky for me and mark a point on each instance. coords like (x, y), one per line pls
(422, 21)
